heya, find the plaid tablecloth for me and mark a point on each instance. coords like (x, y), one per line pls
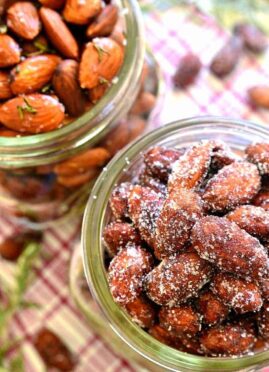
(170, 35)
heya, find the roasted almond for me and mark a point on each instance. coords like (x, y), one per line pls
(259, 96)
(92, 158)
(53, 4)
(23, 20)
(78, 179)
(104, 23)
(81, 11)
(9, 51)
(5, 91)
(96, 93)
(227, 58)
(66, 86)
(33, 73)
(100, 62)
(33, 113)
(58, 33)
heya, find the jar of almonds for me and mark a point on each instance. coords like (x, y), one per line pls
(75, 87)
(175, 240)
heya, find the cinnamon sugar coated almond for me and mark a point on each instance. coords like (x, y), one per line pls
(198, 280)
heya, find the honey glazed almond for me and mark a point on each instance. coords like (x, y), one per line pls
(58, 59)
(206, 290)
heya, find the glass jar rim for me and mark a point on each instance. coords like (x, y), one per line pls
(93, 221)
(78, 133)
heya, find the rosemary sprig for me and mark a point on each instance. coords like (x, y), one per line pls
(102, 80)
(16, 302)
(26, 108)
(3, 29)
(46, 88)
(41, 49)
(101, 51)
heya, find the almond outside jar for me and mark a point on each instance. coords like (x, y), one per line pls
(141, 347)
(46, 177)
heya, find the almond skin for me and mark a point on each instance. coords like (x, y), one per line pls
(101, 60)
(5, 91)
(104, 23)
(33, 73)
(46, 113)
(9, 51)
(66, 86)
(92, 158)
(81, 11)
(58, 33)
(259, 96)
(23, 20)
(53, 4)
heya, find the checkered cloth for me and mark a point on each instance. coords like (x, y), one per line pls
(170, 35)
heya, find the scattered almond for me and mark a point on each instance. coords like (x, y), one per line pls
(23, 20)
(33, 113)
(104, 23)
(58, 33)
(81, 11)
(254, 39)
(66, 86)
(259, 96)
(5, 91)
(9, 51)
(227, 58)
(33, 73)
(100, 62)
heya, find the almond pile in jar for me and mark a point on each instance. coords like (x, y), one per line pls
(58, 58)
(188, 248)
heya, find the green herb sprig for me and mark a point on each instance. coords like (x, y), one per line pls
(27, 107)
(15, 302)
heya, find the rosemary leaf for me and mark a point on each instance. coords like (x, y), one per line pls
(100, 51)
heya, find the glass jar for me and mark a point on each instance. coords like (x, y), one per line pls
(46, 177)
(238, 134)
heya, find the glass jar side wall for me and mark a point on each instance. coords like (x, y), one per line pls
(237, 134)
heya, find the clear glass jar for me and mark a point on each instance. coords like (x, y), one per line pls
(37, 186)
(238, 134)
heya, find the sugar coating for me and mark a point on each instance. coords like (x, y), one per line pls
(127, 271)
(233, 185)
(254, 220)
(230, 248)
(191, 168)
(241, 295)
(259, 154)
(177, 278)
(181, 210)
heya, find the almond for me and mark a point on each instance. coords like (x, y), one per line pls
(78, 179)
(58, 33)
(66, 86)
(23, 20)
(33, 73)
(100, 62)
(92, 158)
(104, 23)
(96, 93)
(53, 4)
(33, 113)
(80, 11)
(9, 51)
(227, 58)
(259, 96)
(5, 91)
